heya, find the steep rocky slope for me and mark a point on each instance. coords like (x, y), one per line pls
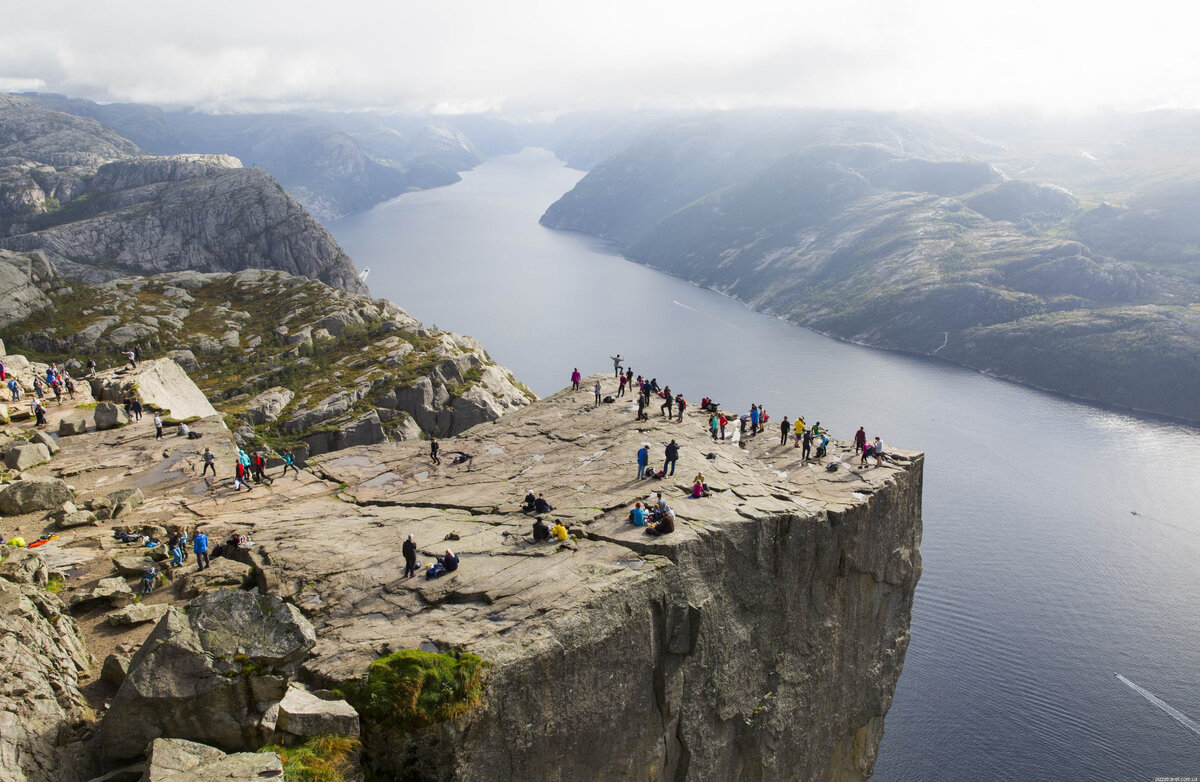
(761, 640)
(290, 360)
(99, 209)
(903, 235)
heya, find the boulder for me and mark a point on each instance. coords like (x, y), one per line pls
(222, 573)
(177, 760)
(125, 501)
(4, 417)
(302, 714)
(114, 591)
(114, 669)
(79, 518)
(209, 673)
(23, 566)
(46, 439)
(110, 415)
(133, 565)
(22, 457)
(34, 494)
(185, 359)
(71, 426)
(136, 614)
(266, 407)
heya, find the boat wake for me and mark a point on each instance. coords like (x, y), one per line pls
(1171, 711)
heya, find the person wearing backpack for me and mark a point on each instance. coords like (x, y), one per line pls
(289, 461)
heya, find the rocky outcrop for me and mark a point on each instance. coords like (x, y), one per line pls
(355, 370)
(136, 212)
(160, 384)
(302, 715)
(22, 457)
(42, 657)
(177, 760)
(208, 673)
(23, 289)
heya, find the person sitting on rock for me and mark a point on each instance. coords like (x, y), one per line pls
(541, 506)
(699, 487)
(449, 561)
(540, 530)
(530, 502)
(183, 430)
(637, 516)
(149, 580)
(665, 523)
(559, 531)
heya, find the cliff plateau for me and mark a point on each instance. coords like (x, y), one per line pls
(761, 640)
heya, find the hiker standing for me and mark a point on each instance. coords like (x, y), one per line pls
(666, 405)
(617, 364)
(433, 450)
(672, 457)
(410, 557)
(621, 385)
(785, 428)
(136, 407)
(129, 354)
(681, 405)
(860, 440)
(754, 419)
(137, 351)
(807, 445)
(200, 547)
(210, 463)
(641, 416)
(799, 428)
(643, 459)
(91, 367)
(37, 386)
(575, 378)
(158, 427)
(596, 388)
(713, 425)
(878, 452)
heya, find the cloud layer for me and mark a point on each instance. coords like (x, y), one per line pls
(540, 55)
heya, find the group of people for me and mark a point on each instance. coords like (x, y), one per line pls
(657, 518)
(442, 564)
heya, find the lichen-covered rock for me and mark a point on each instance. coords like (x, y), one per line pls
(71, 426)
(46, 439)
(266, 407)
(132, 565)
(33, 494)
(186, 360)
(208, 673)
(114, 669)
(109, 416)
(42, 656)
(222, 573)
(113, 591)
(23, 566)
(302, 714)
(136, 614)
(22, 457)
(178, 760)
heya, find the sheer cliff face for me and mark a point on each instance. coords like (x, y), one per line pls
(99, 210)
(760, 641)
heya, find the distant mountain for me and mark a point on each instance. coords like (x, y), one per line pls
(333, 163)
(98, 208)
(912, 234)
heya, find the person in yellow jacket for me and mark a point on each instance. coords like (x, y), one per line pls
(799, 430)
(559, 531)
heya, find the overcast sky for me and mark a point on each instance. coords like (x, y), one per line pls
(530, 56)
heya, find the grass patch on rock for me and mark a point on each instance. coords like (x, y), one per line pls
(320, 759)
(411, 689)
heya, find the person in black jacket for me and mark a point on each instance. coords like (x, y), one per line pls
(542, 506)
(410, 557)
(540, 530)
(672, 457)
(530, 502)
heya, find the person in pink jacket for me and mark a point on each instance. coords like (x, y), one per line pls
(575, 378)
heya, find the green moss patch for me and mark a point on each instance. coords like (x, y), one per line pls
(320, 759)
(412, 689)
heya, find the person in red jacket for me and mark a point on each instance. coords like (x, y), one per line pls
(860, 440)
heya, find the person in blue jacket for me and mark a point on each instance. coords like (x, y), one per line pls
(643, 459)
(200, 546)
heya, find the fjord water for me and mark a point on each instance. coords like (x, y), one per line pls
(1040, 583)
